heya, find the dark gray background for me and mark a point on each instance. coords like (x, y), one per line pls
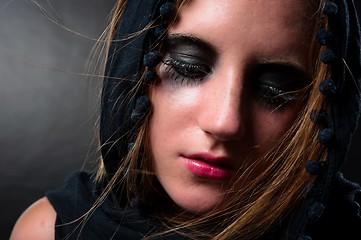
(47, 108)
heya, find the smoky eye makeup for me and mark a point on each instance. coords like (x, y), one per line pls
(277, 84)
(187, 59)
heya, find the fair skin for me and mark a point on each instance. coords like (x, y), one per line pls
(36, 223)
(217, 124)
(214, 122)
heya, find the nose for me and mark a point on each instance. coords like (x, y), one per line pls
(223, 115)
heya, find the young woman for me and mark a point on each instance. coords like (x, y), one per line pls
(220, 120)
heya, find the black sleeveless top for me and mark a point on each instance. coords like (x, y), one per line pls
(341, 219)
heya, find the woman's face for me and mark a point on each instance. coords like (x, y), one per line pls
(226, 93)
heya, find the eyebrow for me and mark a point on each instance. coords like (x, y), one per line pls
(288, 67)
(284, 63)
(179, 39)
(290, 72)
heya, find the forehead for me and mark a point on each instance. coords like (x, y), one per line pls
(259, 9)
(264, 26)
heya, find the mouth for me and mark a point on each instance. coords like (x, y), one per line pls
(208, 166)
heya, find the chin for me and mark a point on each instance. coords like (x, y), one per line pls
(198, 204)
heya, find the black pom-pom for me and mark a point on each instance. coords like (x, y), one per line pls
(313, 167)
(315, 211)
(159, 31)
(150, 75)
(328, 87)
(151, 59)
(324, 36)
(167, 10)
(329, 8)
(327, 56)
(318, 116)
(304, 237)
(141, 107)
(324, 136)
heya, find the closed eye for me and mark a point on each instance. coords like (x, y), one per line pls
(186, 73)
(275, 85)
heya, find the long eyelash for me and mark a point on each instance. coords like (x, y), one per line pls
(185, 73)
(174, 75)
(274, 97)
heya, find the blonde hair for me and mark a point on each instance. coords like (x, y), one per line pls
(260, 205)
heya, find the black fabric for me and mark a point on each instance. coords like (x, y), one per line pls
(345, 105)
(108, 221)
(342, 219)
(342, 105)
(123, 69)
(342, 216)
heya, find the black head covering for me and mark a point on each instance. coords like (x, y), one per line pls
(128, 56)
(339, 115)
(338, 118)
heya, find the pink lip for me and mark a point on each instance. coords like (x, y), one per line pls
(209, 166)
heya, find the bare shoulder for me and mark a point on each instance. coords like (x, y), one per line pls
(36, 222)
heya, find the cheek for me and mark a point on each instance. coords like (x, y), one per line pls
(269, 126)
(173, 103)
(172, 112)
